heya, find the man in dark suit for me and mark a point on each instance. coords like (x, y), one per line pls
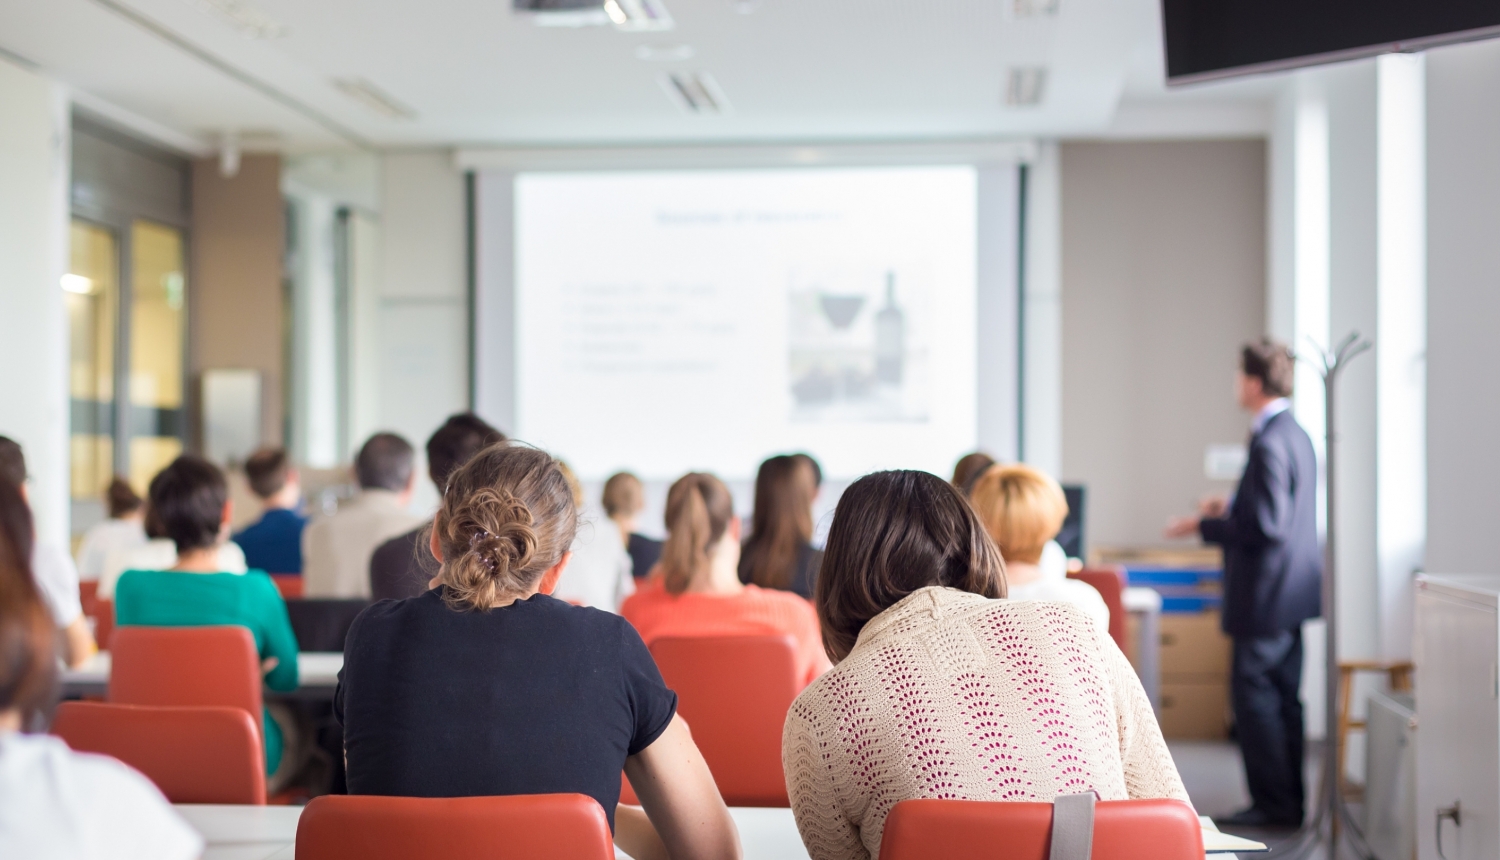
(1273, 568)
(402, 566)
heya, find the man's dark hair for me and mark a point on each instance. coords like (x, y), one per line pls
(12, 462)
(1273, 363)
(267, 471)
(384, 463)
(453, 444)
(893, 533)
(187, 501)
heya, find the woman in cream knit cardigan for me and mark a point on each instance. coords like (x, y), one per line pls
(941, 690)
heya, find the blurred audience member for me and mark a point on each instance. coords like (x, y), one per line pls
(336, 550)
(274, 542)
(190, 500)
(599, 573)
(942, 691)
(624, 499)
(56, 577)
(122, 531)
(968, 470)
(158, 553)
(1023, 509)
(58, 803)
(402, 566)
(779, 553)
(696, 590)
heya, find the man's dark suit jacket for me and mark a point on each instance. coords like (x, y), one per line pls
(1273, 566)
(401, 567)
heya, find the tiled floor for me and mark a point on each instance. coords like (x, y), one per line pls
(1215, 780)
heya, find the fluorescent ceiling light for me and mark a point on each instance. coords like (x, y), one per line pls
(374, 98)
(1024, 86)
(244, 17)
(695, 92)
(77, 284)
(628, 15)
(615, 13)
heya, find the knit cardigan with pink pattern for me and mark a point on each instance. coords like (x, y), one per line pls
(951, 695)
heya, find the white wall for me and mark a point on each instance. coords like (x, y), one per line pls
(1463, 308)
(423, 326)
(34, 155)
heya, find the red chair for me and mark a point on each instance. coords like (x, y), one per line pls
(734, 692)
(186, 666)
(973, 830)
(533, 826)
(1110, 583)
(104, 622)
(289, 584)
(194, 755)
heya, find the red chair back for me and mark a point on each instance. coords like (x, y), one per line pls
(186, 666)
(289, 584)
(734, 692)
(973, 830)
(1110, 583)
(194, 755)
(533, 826)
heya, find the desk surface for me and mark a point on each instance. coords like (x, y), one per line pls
(269, 833)
(317, 672)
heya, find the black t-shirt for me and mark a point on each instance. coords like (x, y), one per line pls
(533, 698)
(401, 567)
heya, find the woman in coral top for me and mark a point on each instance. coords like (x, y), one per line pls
(945, 690)
(695, 589)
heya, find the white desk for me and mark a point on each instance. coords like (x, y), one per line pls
(1145, 605)
(317, 676)
(269, 833)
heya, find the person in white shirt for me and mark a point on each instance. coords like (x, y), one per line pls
(1023, 509)
(56, 577)
(336, 550)
(56, 804)
(123, 530)
(159, 553)
(599, 574)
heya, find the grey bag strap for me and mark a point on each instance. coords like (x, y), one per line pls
(1072, 826)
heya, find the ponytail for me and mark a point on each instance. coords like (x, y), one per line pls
(699, 508)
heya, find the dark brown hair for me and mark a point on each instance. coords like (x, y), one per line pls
(267, 471)
(1273, 363)
(187, 503)
(12, 462)
(623, 494)
(451, 445)
(894, 533)
(781, 522)
(121, 498)
(507, 516)
(968, 469)
(699, 509)
(28, 666)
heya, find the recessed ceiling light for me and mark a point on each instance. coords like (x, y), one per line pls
(374, 98)
(245, 17)
(630, 15)
(77, 284)
(664, 53)
(695, 92)
(1024, 85)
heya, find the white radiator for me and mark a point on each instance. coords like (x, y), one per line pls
(1391, 777)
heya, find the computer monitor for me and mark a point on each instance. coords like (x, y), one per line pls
(1071, 536)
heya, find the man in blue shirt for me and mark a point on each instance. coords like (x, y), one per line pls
(274, 542)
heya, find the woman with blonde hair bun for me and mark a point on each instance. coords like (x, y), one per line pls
(487, 685)
(696, 589)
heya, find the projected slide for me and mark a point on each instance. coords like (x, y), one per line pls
(703, 320)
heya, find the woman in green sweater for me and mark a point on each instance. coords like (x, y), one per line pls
(190, 502)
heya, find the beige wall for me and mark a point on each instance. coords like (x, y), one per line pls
(236, 284)
(1163, 277)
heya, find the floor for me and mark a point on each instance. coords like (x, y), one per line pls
(1215, 780)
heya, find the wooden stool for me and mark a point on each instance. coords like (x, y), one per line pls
(1399, 675)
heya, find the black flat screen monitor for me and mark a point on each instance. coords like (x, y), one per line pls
(1071, 536)
(1209, 39)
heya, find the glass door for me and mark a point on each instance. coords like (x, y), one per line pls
(157, 424)
(93, 303)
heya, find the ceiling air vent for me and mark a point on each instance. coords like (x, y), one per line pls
(695, 92)
(1031, 8)
(245, 18)
(1024, 86)
(630, 15)
(374, 98)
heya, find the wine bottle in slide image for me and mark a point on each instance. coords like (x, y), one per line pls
(890, 336)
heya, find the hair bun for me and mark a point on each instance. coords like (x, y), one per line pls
(511, 547)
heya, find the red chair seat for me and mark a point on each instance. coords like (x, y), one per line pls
(535, 827)
(973, 830)
(194, 755)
